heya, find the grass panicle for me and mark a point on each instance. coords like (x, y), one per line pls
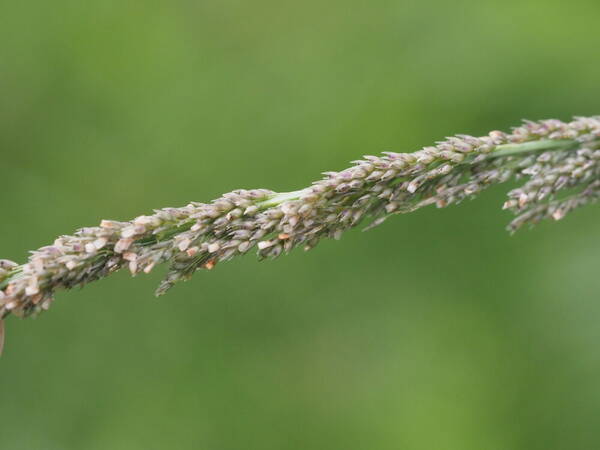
(559, 163)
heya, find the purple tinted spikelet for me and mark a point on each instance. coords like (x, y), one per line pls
(560, 161)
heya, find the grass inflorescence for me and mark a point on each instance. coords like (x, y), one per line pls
(559, 161)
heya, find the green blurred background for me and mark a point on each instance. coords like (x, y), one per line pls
(436, 330)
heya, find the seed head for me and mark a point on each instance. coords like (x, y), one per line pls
(558, 161)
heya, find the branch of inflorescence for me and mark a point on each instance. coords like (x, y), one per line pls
(280, 198)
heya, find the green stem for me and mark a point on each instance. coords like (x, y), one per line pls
(534, 146)
(280, 198)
